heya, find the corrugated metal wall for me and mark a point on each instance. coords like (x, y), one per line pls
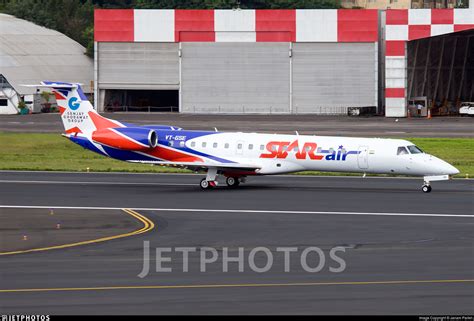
(138, 65)
(235, 77)
(327, 77)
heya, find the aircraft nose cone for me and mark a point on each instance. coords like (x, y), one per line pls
(453, 170)
(442, 167)
(449, 169)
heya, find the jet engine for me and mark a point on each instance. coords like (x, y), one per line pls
(127, 138)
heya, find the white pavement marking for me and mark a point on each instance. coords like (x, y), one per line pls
(94, 183)
(240, 211)
(202, 174)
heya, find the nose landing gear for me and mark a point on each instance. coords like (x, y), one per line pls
(426, 188)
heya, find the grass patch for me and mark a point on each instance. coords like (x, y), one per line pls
(51, 152)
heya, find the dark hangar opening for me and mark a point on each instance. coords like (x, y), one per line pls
(141, 100)
(441, 73)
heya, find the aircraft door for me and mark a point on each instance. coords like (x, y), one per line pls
(363, 157)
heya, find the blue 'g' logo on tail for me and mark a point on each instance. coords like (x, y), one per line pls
(73, 104)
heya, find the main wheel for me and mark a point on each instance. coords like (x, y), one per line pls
(232, 181)
(426, 188)
(205, 184)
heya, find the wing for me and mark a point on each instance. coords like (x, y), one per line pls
(196, 165)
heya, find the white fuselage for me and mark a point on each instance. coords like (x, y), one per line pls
(276, 154)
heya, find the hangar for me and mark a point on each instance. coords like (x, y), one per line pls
(29, 54)
(237, 61)
(277, 61)
(429, 59)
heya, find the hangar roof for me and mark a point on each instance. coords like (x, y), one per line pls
(30, 53)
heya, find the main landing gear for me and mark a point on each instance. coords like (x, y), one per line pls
(205, 184)
(211, 180)
(232, 181)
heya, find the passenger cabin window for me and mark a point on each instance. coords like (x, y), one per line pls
(193, 144)
(203, 144)
(226, 145)
(402, 151)
(214, 145)
(262, 147)
(239, 146)
(414, 150)
(250, 146)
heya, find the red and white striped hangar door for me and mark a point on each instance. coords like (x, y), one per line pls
(404, 25)
(242, 61)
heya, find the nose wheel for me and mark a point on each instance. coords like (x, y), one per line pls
(426, 188)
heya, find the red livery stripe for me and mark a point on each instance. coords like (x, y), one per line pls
(172, 155)
(101, 122)
(74, 130)
(58, 95)
(110, 138)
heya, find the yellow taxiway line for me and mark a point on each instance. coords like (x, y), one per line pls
(148, 225)
(243, 285)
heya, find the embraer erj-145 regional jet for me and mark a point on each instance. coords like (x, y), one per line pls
(237, 155)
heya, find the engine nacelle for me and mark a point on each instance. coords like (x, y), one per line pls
(127, 138)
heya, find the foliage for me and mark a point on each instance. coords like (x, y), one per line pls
(75, 18)
(21, 105)
(70, 17)
(46, 95)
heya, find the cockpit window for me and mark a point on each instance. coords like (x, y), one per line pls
(402, 151)
(414, 150)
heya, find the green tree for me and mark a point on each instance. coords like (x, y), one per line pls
(75, 18)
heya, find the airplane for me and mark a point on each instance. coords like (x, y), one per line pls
(236, 155)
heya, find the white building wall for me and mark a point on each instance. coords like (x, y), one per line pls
(12, 98)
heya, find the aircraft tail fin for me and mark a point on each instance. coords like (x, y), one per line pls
(77, 113)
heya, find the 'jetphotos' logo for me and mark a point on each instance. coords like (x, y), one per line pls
(259, 259)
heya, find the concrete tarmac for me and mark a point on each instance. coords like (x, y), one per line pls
(23, 229)
(405, 252)
(284, 124)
